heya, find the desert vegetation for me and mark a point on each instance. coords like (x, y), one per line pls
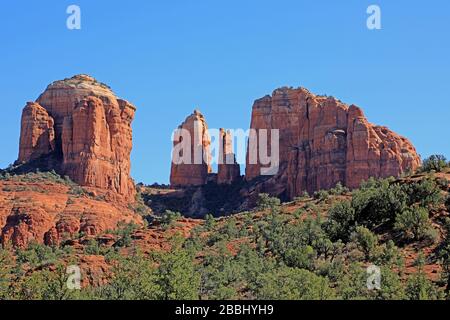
(312, 248)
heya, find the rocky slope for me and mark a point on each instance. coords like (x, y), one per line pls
(324, 141)
(42, 208)
(79, 128)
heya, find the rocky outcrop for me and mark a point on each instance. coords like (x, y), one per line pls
(48, 212)
(324, 141)
(82, 130)
(38, 136)
(191, 160)
(228, 169)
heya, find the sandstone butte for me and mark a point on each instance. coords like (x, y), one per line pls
(80, 129)
(324, 141)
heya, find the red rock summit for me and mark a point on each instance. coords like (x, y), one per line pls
(81, 129)
(324, 141)
(191, 160)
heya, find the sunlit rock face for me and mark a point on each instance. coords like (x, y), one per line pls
(324, 141)
(82, 130)
(191, 162)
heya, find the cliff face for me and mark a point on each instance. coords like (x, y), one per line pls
(191, 161)
(82, 130)
(323, 142)
(38, 135)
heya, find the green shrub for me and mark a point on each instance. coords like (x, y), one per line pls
(210, 222)
(418, 287)
(124, 233)
(6, 273)
(434, 163)
(37, 255)
(321, 195)
(305, 196)
(134, 278)
(391, 255)
(266, 202)
(366, 241)
(413, 223)
(177, 276)
(341, 221)
(302, 257)
(44, 284)
(392, 287)
(92, 248)
(378, 201)
(293, 284)
(77, 191)
(339, 190)
(169, 218)
(426, 193)
(5, 176)
(444, 254)
(442, 183)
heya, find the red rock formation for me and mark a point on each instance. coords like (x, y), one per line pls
(228, 169)
(38, 136)
(323, 141)
(48, 212)
(191, 160)
(85, 132)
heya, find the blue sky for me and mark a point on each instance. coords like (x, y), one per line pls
(169, 57)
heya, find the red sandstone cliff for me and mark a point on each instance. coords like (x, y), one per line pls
(82, 130)
(191, 161)
(324, 141)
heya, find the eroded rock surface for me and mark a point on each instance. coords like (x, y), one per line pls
(79, 128)
(324, 141)
(191, 161)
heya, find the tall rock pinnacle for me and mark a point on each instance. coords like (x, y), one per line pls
(228, 169)
(191, 161)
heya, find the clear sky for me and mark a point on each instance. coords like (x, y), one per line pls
(169, 57)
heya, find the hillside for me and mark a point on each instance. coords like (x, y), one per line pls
(314, 247)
